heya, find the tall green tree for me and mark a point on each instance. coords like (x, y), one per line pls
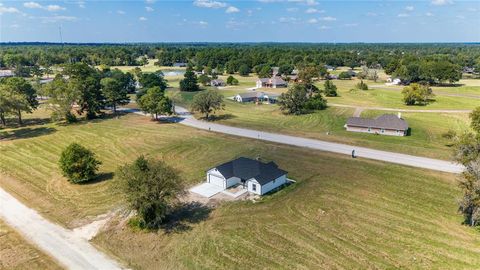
(330, 89)
(114, 92)
(21, 95)
(151, 188)
(78, 163)
(189, 82)
(207, 102)
(155, 102)
(475, 120)
(62, 98)
(86, 81)
(155, 79)
(417, 94)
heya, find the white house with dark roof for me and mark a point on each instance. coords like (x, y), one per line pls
(256, 97)
(387, 124)
(255, 176)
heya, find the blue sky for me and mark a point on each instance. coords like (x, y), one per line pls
(241, 21)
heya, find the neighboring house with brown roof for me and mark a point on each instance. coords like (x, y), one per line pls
(387, 124)
(274, 82)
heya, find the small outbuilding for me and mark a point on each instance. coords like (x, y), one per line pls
(255, 176)
(387, 124)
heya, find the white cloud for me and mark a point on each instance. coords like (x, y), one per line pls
(8, 9)
(372, 14)
(149, 9)
(403, 15)
(461, 17)
(142, 19)
(324, 27)
(409, 8)
(429, 14)
(232, 9)
(472, 9)
(292, 9)
(121, 12)
(55, 19)
(32, 5)
(328, 19)
(441, 2)
(314, 10)
(203, 23)
(313, 21)
(287, 19)
(209, 4)
(35, 5)
(150, 1)
(351, 25)
(15, 26)
(81, 4)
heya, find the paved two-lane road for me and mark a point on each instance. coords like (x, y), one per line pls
(392, 157)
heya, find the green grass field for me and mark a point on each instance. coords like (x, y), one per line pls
(425, 140)
(342, 213)
(16, 253)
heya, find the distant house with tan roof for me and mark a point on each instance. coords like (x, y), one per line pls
(274, 82)
(387, 124)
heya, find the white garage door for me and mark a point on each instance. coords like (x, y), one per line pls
(218, 181)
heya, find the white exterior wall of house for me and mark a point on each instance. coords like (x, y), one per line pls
(216, 178)
(262, 189)
(389, 132)
(273, 184)
(259, 84)
(233, 181)
(238, 98)
(250, 184)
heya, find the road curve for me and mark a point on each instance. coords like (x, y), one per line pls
(71, 251)
(187, 119)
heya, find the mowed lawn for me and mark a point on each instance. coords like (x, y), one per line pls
(341, 213)
(16, 253)
(425, 138)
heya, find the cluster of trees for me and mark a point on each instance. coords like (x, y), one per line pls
(467, 153)
(429, 69)
(150, 187)
(17, 96)
(300, 99)
(412, 62)
(417, 94)
(259, 58)
(189, 83)
(151, 98)
(88, 90)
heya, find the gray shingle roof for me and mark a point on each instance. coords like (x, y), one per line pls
(386, 121)
(245, 168)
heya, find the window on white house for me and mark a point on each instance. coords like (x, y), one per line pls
(369, 129)
(254, 187)
(382, 130)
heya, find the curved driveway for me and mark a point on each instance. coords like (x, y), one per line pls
(186, 118)
(71, 251)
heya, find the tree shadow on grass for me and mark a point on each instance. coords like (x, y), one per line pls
(100, 178)
(184, 215)
(25, 133)
(221, 117)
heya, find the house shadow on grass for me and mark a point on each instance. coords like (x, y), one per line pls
(25, 133)
(184, 215)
